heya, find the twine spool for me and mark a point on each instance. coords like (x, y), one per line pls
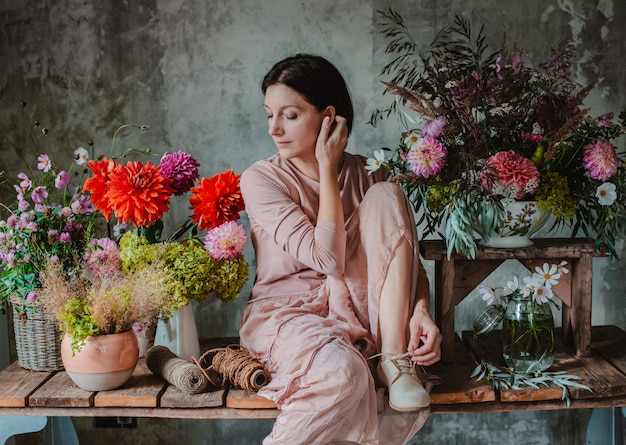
(237, 367)
(181, 373)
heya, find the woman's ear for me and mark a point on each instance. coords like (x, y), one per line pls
(331, 112)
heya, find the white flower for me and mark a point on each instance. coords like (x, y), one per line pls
(561, 267)
(512, 286)
(606, 194)
(412, 140)
(530, 285)
(548, 276)
(81, 155)
(543, 294)
(376, 162)
(488, 294)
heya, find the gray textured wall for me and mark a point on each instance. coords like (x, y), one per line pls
(191, 70)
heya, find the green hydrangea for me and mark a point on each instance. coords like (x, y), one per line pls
(438, 196)
(553, 196)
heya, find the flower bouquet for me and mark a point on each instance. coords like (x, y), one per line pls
(52, 229)
(483, 129)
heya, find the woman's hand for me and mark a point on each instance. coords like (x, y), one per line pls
(423, 328)
(331, 142)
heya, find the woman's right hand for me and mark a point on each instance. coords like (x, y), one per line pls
(331, 142)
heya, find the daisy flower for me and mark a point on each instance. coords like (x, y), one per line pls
(606, 194)
(548, 275)
(542, 294)
(81, 156)
(373, 164)
(488, 294)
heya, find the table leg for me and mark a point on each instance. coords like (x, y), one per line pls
(580, 311)
(445, 311)
(13, 425)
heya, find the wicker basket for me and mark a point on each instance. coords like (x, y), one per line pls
(37, 339)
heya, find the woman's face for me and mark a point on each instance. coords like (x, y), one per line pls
(294, 123)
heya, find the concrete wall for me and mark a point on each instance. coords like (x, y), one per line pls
(191, 70)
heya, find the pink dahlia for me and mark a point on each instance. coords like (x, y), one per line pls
(435, 127)
(428, 158)
(102, 257)
(225, 241)
(181, 169)
(510, 174)
(600, 160)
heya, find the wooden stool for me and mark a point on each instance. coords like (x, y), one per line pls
(456, 277)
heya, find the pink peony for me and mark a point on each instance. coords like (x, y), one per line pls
(428, 158)
(181, 169)
(102, 257)
(510, 171)
(225, 241)
(600, 160)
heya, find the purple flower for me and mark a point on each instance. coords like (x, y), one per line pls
(517, 64)
(500, 63)
(82, 205)
(44, 163)
(65, 237)
(225, 241)
(604, 120)
(53, 236)
(26, 182)
(181, 169)
(22, 204)
(62, 179)
(39, 194)
(32, 296)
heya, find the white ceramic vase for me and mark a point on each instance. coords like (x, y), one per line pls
(522, 220)
(179, 334)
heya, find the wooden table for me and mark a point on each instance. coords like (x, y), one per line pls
(25, 392)
(457, 276)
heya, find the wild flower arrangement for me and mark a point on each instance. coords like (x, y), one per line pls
(133, 194)
(483, 129)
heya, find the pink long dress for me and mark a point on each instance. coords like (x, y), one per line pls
(312, 317)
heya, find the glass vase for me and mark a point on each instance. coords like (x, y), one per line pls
(528, 334)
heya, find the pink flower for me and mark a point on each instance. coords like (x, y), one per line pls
(102, 257)
(435, 128)
(39, 194)
(428, 158)
(225, 241)
(31, 296)
(82, 205)
(62, 179)
(600, 160)
(510, 171)
(181, 169)
(44, 163)
(65, 237)
(26, 182)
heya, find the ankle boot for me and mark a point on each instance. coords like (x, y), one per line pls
(406, 392)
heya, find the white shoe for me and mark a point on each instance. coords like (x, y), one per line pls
(406, 392)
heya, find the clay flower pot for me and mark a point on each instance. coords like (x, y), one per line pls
(105, 362)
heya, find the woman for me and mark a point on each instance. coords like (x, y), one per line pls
(338, 287)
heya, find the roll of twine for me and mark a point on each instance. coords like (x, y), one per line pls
(237, 367)
(181, 373)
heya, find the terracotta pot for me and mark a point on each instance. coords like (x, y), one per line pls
(105, 362)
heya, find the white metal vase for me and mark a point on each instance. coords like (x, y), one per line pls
(179, 334)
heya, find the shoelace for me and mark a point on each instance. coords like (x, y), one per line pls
(402, 362)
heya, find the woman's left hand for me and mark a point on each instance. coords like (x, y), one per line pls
(424, 330)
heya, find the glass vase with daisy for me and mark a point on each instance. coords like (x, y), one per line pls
(528, 339)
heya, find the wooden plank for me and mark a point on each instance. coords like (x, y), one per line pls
(142, 390)
(488, 348)
(61, 391)
(242, 399)
(610, 343)
(18, 384)
(595, 372)
(175, 398)
(456, 385)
